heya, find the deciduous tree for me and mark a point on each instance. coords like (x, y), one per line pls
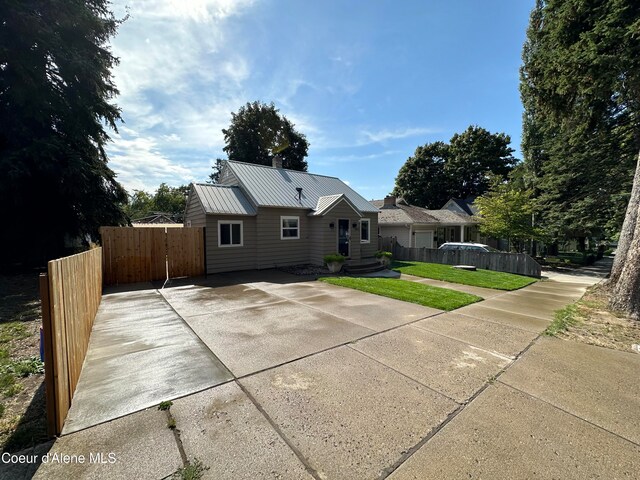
(257, 133)
(439, 171)
(166, 199)
(422, 180)
(505, 211)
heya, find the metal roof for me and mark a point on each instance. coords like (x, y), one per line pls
(327, 203)
(276, 187)
(223, 200)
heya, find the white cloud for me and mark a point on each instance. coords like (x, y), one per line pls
(141, 165)
(179, 77)
(385, 135)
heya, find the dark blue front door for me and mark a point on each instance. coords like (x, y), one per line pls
(343, 237)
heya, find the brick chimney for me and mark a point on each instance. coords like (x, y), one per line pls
(389, 201)
(276, 162)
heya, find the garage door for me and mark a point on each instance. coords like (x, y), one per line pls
(424, 239)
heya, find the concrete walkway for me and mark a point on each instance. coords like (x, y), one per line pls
(331, 384)
(140, 353)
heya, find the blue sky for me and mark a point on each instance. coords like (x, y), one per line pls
(366, 81)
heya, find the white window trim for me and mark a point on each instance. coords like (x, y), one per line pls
(286, 217)
(231, 222)
(368, 230)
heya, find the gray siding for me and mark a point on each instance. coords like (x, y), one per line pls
(228, 178)
(325, 239)
(272, 250)
(194, 211)
(369, 249)
(228, 259)
(399, 231)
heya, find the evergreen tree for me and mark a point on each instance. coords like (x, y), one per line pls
(580, 131)
(580, 85)
(56, 96)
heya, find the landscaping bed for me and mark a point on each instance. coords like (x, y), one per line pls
(425, 295)
(478, 278)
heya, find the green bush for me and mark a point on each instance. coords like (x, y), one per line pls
(381, 254)
(334, 258)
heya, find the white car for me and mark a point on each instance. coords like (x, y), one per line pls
(476, 247)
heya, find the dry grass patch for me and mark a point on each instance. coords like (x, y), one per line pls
(590, 321)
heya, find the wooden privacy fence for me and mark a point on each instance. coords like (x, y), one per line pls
(149, 253)
(70, 294)
(519, 263)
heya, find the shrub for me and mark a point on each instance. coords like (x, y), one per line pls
(24, 367)
(380, 254)
(334, 258)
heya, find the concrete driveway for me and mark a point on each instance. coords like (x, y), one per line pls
(329, 383)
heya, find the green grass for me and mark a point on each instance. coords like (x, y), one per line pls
(479, 278)
(563, 319)
(13, 331)
(193, 471)
(23, 367)
(414, 292)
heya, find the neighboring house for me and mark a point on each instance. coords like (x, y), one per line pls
(459, 205)
(419, 227)
(157, 219)
(263, 217)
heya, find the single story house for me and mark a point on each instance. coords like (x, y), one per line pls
(260, 217)
(158, 219)
(464, 206)
(419, 227)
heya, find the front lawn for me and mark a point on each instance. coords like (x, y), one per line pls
(479, 278)
(414, 292)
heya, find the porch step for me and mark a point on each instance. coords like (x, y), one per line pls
(366, 265)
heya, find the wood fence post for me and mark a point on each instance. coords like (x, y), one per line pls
(49, 381)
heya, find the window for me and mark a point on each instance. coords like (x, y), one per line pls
(290, 228)
(229, 233)
(364, 231)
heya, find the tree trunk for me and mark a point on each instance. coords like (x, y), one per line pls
(625, 285)
(625, 293)
(628, 228)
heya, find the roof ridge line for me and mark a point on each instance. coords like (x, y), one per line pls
(215, 185)
(286, 169)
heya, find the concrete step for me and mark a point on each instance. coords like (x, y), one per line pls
(363, 266)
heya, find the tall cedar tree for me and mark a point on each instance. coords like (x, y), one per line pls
(439, 171)
(580, 85)
(55, 100)
(257, 133)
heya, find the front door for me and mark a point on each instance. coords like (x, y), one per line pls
(343, 237)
